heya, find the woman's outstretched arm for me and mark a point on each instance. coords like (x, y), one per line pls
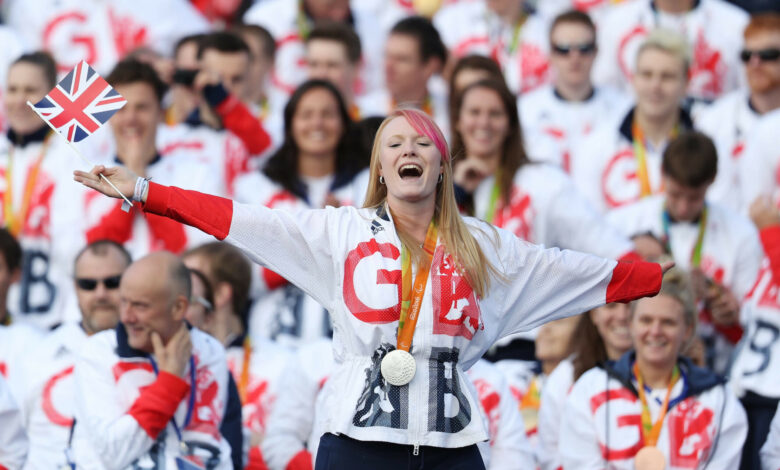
(298, 247)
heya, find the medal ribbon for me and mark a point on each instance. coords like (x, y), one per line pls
(640, 153)
(243, 381)
(697, 248)
(412, 300)
(650, 430)
(15, 221)
(490, 215)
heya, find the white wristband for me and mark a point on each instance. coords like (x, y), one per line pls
(141, 185)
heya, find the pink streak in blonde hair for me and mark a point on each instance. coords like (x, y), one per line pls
(425, 125)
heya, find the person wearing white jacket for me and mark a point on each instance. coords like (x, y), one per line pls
(13, 440)
(415, 404)
(151, 394)
(653, 408)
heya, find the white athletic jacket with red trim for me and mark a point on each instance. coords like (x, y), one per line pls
(602, 424)
(124, 413)
(348, 259)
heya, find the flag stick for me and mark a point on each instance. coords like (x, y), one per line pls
(125, 205)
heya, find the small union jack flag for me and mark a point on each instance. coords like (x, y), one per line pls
(79, 104)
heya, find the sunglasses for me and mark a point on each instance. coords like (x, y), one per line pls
(565, 49)
(765, 55)
(112, 282)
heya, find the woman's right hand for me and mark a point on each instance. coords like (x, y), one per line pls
(121, 177)
(469, 173)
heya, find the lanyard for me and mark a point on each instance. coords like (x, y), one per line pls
(640, 153)
(411, 301)
(15, 221)
(243, 381)
(650, 430)
(190, 404)
(302, 22)
(697, 248)
(495, 192)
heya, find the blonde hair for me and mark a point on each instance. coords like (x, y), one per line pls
(668, 41)
(453, 232)
(677, 285)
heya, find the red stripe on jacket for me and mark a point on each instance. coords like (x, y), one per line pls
(157, 403)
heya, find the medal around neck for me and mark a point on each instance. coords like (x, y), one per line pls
(649, 458)
(398, 367)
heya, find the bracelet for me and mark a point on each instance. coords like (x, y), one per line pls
(141, 186)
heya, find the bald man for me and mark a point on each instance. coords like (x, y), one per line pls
(153, 392)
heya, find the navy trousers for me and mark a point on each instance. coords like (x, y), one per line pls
(343, 453)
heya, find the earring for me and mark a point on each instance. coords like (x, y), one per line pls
(441, 177)
(381, 179)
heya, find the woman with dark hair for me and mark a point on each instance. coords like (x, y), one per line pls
(498, 183)
(316, 165)
(321, 153)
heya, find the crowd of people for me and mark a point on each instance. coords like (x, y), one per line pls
(393, 234)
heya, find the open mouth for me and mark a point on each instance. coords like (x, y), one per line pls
(410, 170)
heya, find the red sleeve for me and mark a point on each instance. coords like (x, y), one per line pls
(272, 279)
(733, 333)
(770, 238)
(255, 460)
(211, 214)
(237, 119)
(158, 402)
(632, 280)
(301, 461)
(116, 225)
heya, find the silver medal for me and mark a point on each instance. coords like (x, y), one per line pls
(398, 367)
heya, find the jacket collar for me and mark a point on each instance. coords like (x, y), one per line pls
(698, 380)
(22, 140)
(626, 126)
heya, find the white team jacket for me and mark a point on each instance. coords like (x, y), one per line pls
(547, 209)
(547, 117)
(601, 425)
(16, 341)
(731, 251)
(294, 419)
(109, 434)
(472, 28)
(758, 170)
(103, 32)
(728, 122)
(280, 18)
(757, 362)
(604, 169)
(13, 440)
(47, 396)
(54, 228)
(713, 28)
(349, 260)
